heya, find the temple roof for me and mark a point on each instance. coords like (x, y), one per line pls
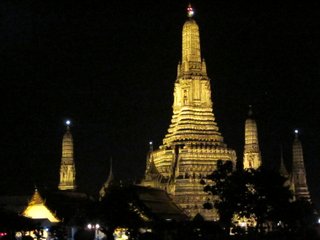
(36, 209)
(144, 203)
(36, 198)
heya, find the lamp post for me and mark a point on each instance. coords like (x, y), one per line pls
(96, 228)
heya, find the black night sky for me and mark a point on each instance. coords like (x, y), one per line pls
(110, 67)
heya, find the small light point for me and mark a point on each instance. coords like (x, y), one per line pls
(68, 122)
(190, 11)
(296, 131)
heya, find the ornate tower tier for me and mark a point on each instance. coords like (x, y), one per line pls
(298, 170)
(193, 143)
(67, 167)
(251, 155)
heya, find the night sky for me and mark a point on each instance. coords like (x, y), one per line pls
(110, 67)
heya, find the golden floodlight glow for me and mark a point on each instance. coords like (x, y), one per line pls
(244, 222)
(67, 166)
(120, 234)
(40, 212)
(37, 210)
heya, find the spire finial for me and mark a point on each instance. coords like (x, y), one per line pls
(190, 11)
(151, 146)
(250, 111)
(296, 134)
(110, 170)
(68, 123)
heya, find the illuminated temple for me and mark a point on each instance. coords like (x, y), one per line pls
(251, 155)
(67, 167)
(193, 144)
(299, 178)
(190, 151)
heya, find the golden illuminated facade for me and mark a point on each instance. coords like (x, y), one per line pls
(251, 155)
(298, 171)
(36, 209)
(67, 167)
(193, 144)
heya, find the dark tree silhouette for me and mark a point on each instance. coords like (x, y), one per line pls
(260, 193)
(118, 209)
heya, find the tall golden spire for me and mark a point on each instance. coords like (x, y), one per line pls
(298, 170)
(193, 119)
(251, 155)
(191, 53)
(67, 167)
(193, 144)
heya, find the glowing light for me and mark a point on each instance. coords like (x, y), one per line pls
(243, 224)
(89, 226)
(120, 234)
(296, 131)
(190, 11)
(150, 143)
(97, 226)
(36, 209)
(18, 235)
(39, 211)
(68, 122)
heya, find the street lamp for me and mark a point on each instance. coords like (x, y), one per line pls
(96, 228)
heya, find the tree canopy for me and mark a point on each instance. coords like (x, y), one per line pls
(260, 195)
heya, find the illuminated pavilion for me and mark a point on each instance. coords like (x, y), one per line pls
(37, 209)
(193, 144)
